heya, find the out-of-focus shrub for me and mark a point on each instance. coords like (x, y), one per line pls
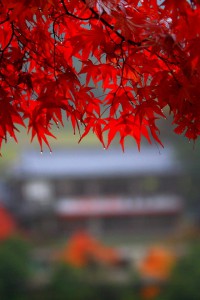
(157, 264)
(184, 283)
(69, 283)
(14, 269)
(77, 284)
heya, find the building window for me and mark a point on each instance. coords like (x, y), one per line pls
(38, 191)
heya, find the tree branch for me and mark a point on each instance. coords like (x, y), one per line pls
(72, 15)
(98, 17)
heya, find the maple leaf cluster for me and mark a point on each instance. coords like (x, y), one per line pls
(55, 54)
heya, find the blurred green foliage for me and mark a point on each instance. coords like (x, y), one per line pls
(68, 283)
(74, 284)
(80, 284)
(14, 269)
(185, 279)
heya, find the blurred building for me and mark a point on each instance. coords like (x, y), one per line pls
(106, 192)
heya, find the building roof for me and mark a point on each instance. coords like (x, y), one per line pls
(96, 162)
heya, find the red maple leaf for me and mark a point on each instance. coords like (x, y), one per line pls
(144, 55)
